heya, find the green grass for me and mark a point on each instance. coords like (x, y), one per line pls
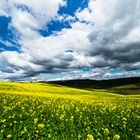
(47, 111)
(131, 89)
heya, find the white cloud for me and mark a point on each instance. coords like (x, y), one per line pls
(25, 23)
(46, 48)
(39, 14)
(13, 61)
(43, 8)
(3, 8)
(116, 32)
(106, 36)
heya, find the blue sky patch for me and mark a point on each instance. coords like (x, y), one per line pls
(70, 9)
(117, 70)
(8, 48)
(86, 69)
(7, 35)
(71, 51)
(5, 32)
(54, 26)
(73, 6)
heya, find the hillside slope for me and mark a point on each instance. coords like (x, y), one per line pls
(53, 91)
(121, 86)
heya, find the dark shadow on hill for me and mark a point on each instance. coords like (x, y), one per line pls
(126, 86)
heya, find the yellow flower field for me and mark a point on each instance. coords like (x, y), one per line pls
(43, 111)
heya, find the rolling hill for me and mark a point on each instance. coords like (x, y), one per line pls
(121, 86)
(70, 110)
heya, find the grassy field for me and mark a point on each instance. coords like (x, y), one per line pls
(47, 111)
(124, 86)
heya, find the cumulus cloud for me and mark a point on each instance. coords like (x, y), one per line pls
(116, 33)
(30, 16)
(3, 9)
(103, 36)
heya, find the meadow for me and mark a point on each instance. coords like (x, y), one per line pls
(33, 111)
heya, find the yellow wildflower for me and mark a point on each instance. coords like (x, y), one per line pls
(138, 137)
(9, 136)
(49, 135)
(116, 137)
(41, 125)
(90, 137)
(124, 119)
(106, 131)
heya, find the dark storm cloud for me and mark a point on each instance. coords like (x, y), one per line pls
(117, 55)
(116, 43)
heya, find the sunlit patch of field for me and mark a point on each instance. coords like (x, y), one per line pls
(50, 90)
(47, 111)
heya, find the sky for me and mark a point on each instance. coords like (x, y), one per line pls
(69, 39)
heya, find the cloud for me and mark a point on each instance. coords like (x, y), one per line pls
(30, 16)
(115, 35)
(101, 37)
(97, 74)
(3, 9)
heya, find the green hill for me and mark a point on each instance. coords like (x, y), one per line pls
(126, 86)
